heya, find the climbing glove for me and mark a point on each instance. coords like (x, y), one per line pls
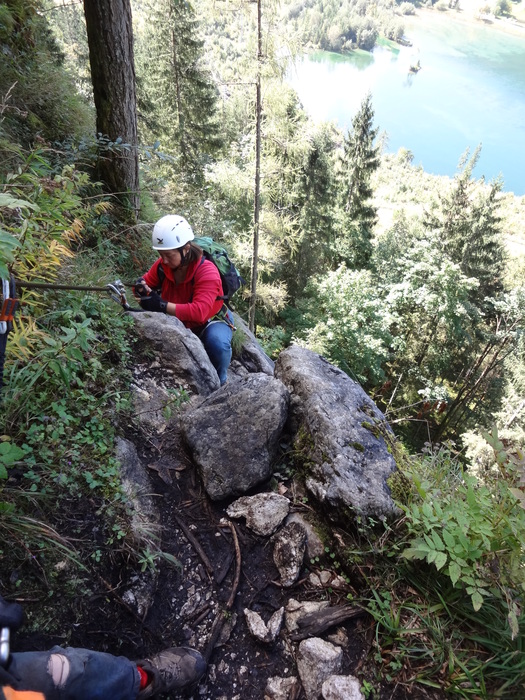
(139, 288)
(153, 302)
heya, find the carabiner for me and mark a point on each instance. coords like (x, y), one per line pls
(4, 646)
(117, 292)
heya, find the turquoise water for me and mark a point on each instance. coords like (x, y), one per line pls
(470, 91)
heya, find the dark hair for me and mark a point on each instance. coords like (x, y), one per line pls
(194, 253)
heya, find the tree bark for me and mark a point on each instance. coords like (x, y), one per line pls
(110, 40)
(256, 204)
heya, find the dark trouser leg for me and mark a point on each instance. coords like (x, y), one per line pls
(76, 674)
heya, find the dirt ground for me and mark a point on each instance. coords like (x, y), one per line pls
(217, 568)
(199, 602)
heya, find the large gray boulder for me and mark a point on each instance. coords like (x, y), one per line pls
(252, 357)
(178, 349)
(339, 432)
(234, 434)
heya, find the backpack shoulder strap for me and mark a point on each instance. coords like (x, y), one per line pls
(161, 274)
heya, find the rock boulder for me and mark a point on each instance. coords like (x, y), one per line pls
(233, 435)
(339, 433)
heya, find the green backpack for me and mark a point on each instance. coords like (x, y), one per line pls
(230, 276)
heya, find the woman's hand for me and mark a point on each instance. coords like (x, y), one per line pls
(141, 289)
(153, 302)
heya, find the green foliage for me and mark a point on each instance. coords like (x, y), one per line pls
(43, 215)
(61, 388)
(351, 324)
(432, 318)
(59, 413)
(459, 538)
(177, 398)
(342, 26)
(272, 340)
(8, 243)
(176, 92)
(471, 531)
(9, 454)
(304, 187)
(59, 406)
(425, 635)
(37, 97)
(467, 220)
(69, 29)
(502, 8)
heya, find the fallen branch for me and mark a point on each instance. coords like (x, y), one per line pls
(222, 615)
(237, 566)
(195, 544)
(313, 624)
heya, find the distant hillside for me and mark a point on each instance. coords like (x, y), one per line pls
(400, 185)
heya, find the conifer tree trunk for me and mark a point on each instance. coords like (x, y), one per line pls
(110, 40)
(256, 206)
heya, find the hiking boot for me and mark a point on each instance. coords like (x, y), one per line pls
(172, 669)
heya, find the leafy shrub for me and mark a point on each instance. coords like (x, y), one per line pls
(352, 326)
(472, 532)
(406, 8)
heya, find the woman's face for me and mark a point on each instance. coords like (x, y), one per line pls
(171, 258)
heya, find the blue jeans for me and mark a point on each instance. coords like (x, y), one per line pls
(76, 674)
(217, 340)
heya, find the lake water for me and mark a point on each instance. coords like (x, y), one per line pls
(470, 91)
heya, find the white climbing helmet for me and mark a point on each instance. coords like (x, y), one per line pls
(171, 232)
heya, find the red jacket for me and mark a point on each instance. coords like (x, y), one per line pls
(195, 298)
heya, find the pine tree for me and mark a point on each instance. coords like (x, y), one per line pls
(177, 96)
(468, 222)
(360, 160)
(298, 191)
(312, 206)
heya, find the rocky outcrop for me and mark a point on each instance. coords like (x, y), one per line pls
(264, 512)
(288, 552)
(233, 435)
(339, 431)
(317, 660)
(252, 357)
(178, 350)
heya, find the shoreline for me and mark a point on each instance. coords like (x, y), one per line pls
(468, 17)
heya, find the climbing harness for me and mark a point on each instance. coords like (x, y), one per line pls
(222, 317)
